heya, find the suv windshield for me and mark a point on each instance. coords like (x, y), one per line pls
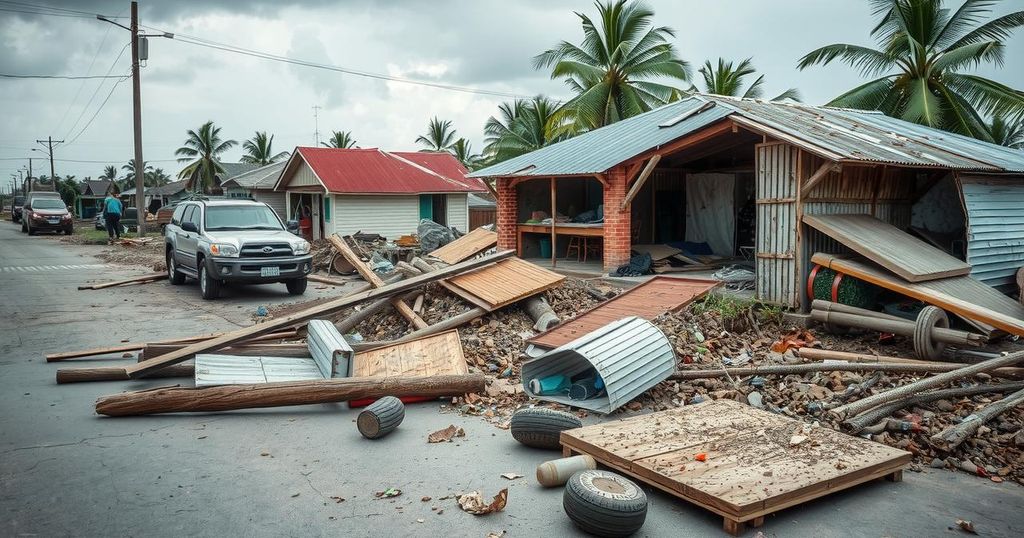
(242, 217)
(48, 203)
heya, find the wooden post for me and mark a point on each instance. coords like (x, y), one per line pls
(339, 244)
(554, 222)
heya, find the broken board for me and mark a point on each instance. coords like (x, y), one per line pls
(506, 282)
(961, 295)
(657, 252)
(905, 255)
(438, 354)
(751, 467)
(466, 246)
(648, 300)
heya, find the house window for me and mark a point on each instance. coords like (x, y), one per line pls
(434, 207)
(327, 207)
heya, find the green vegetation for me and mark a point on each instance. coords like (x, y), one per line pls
(728, 81)
(259, 150)
(205, 146)
(440, 136)
(340, 139)
(731, 308)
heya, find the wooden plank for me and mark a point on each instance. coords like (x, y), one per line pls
(505, 283)
(961, 295)
(881, 242)
(466, 246)
(649, 300)
(657, 252)
(138, 370)
(368, 275)
(818, 176)
(635, 189)
(751, 469)
(144, 279)
(439, 354)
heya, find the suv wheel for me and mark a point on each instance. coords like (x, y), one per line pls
(297, 286)
(177, 278)
(29, 230)
(208, 285)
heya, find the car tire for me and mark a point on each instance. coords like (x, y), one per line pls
(29, 230)
(209, 286)
(297, 286)
(603, 503)
(540, 427)
(70, 230)
(176, 277)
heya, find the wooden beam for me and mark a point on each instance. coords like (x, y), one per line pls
(487, 183)
(330, 307)
(368, 275)
(640, 180)
(632, 170)
(777, 134)
(818, 176)
(554, 224)
(684, 141)
(144, 279)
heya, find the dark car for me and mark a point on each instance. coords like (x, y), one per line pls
(16, 204)
(44, 213)
(129, 220)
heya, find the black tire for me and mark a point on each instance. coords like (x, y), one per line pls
(539, 427)
(603, 503)
(29, 230)
(209, 286)
(176, 277)
(925, 347)
(381, 417)
(297, 286)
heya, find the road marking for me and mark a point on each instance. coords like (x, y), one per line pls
(37, 268)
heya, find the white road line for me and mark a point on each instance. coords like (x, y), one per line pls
(34, 268)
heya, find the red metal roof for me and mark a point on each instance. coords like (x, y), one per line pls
(373, 171)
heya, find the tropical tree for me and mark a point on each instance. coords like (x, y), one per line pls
(918, 71)
(611, 71)
(109, 173)
(203, 148)
(340, 139)
(1006, 134)
(463, 151)
(439, 137)
(69, 189)
(724, 79)
(522, 126)
(128, 181)
(157, 178)
(259, 150)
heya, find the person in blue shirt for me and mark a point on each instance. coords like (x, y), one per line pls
(112, 209)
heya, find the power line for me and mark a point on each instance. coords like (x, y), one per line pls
(62, 77)
(86, 126)
(43, 13)
(96, 91)
(82, 85)
(50, 10)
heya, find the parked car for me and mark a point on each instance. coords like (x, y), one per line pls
(163, 215)
(129, 220)
(244, 241)
(46, 213)
(16, 204)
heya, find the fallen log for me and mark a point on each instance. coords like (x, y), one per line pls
(453, 322)
(346, 325)
(951, 437)
(144, 279)
(855, 408)
(815, 354)
(786, 369)
(872, 416)
(117, 373)
(231, 397)
(829, 306)
(540, 311)
(246, 333)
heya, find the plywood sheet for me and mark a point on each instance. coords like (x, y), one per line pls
(657, 252)
(751, 469)
(905, 255)
(466, 246)
(962, 295)
(506, 282)
(439, 354)
(648, 300)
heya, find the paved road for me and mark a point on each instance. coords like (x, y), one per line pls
(64, 471)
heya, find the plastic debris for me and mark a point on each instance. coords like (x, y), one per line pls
(475, 504)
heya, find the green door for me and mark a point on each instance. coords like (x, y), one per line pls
(426, 206)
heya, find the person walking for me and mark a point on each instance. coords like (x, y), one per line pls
(112, 209)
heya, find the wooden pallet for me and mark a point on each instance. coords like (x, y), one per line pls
(751, 470)
(439, 354)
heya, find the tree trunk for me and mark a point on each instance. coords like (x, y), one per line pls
(872, 416)
(952, 436)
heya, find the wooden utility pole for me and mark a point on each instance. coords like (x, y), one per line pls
(140, 165)
(49, 149)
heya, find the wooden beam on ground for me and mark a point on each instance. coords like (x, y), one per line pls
(116, 373)
(453, 322)
(640, 180)
(325, 280)
(246, 333)
(144, 279)
(815, 354)
(230, 397)
(403, 309)
(818, 176)
(63, 356)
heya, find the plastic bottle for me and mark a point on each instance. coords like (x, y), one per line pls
(557, 472)
(555, 384)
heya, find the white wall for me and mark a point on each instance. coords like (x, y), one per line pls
(390, 216)
(274, 199)
(458, 212)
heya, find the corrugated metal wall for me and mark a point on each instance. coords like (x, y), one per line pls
(390, 216)
(304, 176)
(776, 165)
(995, 228)
(458, 212)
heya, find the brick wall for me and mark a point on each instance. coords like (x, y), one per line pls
(508, 214)
(616, 221)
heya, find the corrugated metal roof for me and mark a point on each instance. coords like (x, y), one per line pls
(995, 229)
(373, 171)
(443, 163)
(233, 169)
(263, 177)
(841, 134)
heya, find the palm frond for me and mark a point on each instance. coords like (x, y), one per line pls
(792, 93)
(869, 61)
(997, 29)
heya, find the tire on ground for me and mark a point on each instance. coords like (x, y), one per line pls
(539, 427)
(297, 286)
(925, 347)
(381, 417)
(603, 503)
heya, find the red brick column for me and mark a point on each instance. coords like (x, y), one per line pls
(508, 214)
(616, 221)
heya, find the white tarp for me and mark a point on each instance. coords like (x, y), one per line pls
(710, 212)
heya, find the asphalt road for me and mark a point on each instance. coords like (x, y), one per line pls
(64, 471)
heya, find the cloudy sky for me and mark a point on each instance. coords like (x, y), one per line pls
(485, 44)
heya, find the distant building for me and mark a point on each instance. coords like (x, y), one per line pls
(259, 184)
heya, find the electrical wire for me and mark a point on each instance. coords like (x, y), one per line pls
(51, 10)
(88, 71)
(86, 126)
(61, 77)
(95, 92)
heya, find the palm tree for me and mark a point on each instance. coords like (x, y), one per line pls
(521, 127)
(205, 146)
(440, 135)
(69, 189)
(463, 151)
(259, 150)
(157, 178)
(129, 178)
(1006, 134)
(610, 70)
(727, 80)
(109, 173)
(340, 139)
(923, 52)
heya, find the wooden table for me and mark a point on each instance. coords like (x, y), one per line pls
(562, 228)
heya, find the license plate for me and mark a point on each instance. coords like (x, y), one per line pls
(270, 271)
(53, 221)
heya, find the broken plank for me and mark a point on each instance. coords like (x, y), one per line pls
(505, 283)
(330, 307)
(438, 354)
(325, 280)
(144, 279)
(403, 309)
(466, 246)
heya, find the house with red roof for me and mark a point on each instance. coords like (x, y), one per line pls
(344, 191)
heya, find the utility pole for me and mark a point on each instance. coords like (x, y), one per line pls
(316, 125)
(49, 145)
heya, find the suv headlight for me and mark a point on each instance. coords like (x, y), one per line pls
(302, 247)
(224, 250)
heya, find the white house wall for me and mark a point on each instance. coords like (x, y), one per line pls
(274, 199)
(390, 216)
(458, 212)
(304, 177)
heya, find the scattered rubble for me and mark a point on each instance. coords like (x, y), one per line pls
(475, 504)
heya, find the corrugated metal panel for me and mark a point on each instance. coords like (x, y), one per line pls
(390, 216)
(458, 212)
(263, 177)
(776, 224)
(372, 171)
(995, 229)
(213, 369)
(330, 351)
(631, 355)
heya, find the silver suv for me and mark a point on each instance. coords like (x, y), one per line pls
(217, 241)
